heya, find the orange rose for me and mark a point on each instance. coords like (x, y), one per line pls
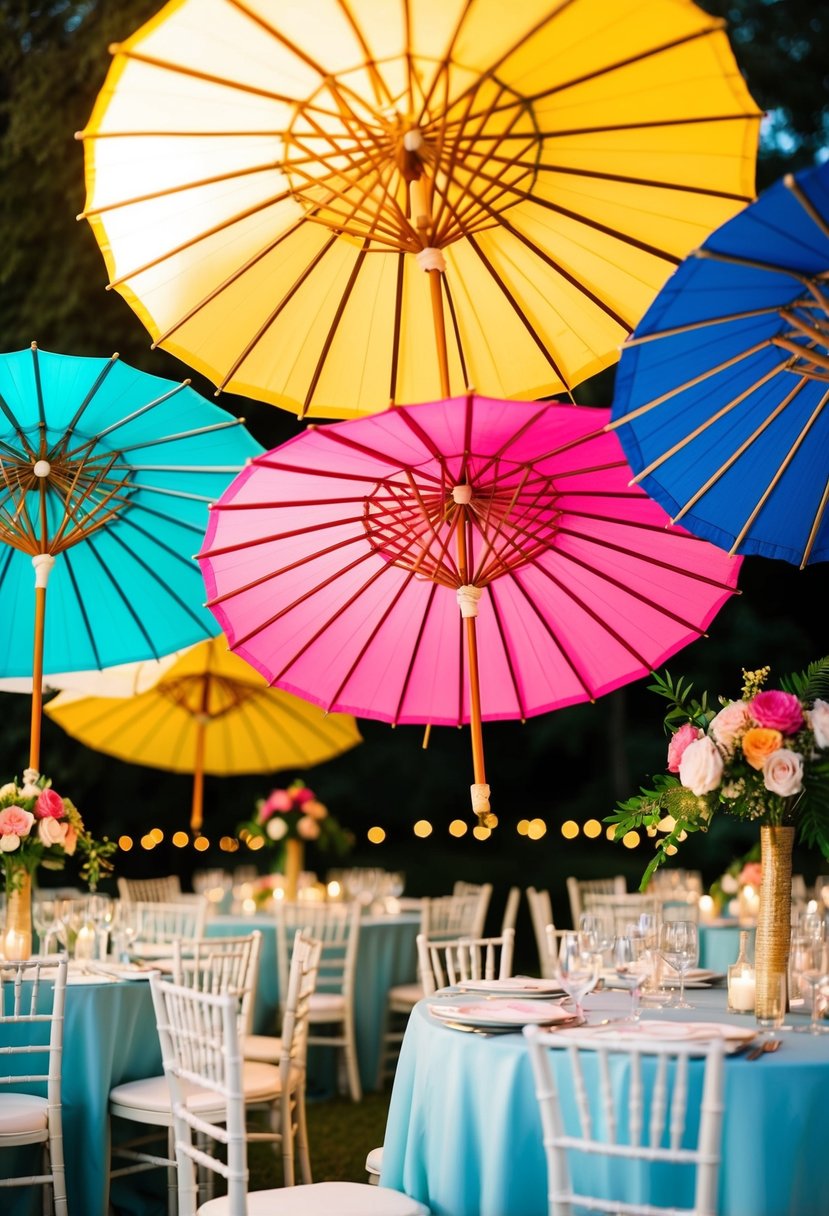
(759, 743)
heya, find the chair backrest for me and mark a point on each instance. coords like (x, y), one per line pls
(221, 964)
(577, 888)
(651, 1123)
(161, 924)
(511, 908)
(619, 911)
(337, 927)
(442, 963)
(450, 916)
(200, 1044)
(150, 890)
(541, 915)
(32, 1001)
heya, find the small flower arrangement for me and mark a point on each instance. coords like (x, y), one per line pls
(39, 827)
(764, 757)
(295, 813)
(745, 870)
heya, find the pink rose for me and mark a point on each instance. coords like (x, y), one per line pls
(778, 711)
(751, 874)
(819, 719)
(49, 806)
(51, 831)
(730, 724)
(783, 772)
(301, 795)
(15, 821)
(679, 741)
(308, 828)
(701, 767)
(278, 801)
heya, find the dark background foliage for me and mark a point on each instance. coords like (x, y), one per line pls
(571, 764)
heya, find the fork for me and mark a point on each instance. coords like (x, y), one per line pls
(771, 1045)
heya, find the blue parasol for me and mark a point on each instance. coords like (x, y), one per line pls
(722, 392)
(106, 474)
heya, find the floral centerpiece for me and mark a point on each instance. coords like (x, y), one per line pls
(288, 819)
(38, 827)
(765, 758)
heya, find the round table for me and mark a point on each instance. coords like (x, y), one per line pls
(464, 1133)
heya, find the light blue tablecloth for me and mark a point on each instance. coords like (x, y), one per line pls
(109, 1037)
(386, 956)
(464, 1134)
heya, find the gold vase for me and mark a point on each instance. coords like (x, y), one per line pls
(17, 937)
(294, 861)
(771, 951)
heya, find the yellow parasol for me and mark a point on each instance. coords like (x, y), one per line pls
(269, 183)
(209, 713)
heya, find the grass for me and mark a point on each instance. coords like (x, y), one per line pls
(340, 1134)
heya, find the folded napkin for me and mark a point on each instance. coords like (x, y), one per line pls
(676, 1031)
(516, 985)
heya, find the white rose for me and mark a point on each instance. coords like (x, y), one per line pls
(701, 766)
(729, 884)
(9, 842)
(783, 772)
(276, 827)
(31, 791)
(51, 831)
(9, 790)
(819, 719)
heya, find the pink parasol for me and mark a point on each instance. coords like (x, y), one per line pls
(337, 563)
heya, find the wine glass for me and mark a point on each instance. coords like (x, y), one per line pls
(100, 910)
(631, 963)
(596, 932)
(578, 968)
(679, 947)
(43, 920)
(811, 965)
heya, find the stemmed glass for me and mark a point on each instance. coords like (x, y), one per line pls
(811, 964)
(124, 930)
(596, 932)
(43, 920)
(647, 927)
(100, 911)
(578, 968)
(679, 947)
(632, 964)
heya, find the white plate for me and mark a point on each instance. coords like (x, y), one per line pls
(517, 986)
(503, 1013)
(121, 971)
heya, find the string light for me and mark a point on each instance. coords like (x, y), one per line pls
(156, 835)
(125, 843)
(481, 833)
(570, 829)
(180, 840)
(536, 829)
(523, 827)
(201, 843)
(423, 828)
(376, 835)
(592, 828)
(631, 839)
(458, 827)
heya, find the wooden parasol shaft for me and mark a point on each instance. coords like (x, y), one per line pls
(37, 678)
(197, 807)
(436, 290)
(471, 637)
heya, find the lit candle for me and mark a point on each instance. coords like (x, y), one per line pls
(741, 992)
(85, 942)
(14, 945)
(706, 909)
(334, 889)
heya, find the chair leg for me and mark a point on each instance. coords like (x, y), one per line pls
(352, 1068)
(302, 1148)
(287, 1129)
(172, 1174)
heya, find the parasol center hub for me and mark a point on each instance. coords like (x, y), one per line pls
(413, 140)
(462, 495)
(41, 468)
(468, 596)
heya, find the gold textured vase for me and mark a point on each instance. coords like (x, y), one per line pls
(17, 937)
(294, 860)
(771, 951)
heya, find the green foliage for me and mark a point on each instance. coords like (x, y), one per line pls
(810, 684)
